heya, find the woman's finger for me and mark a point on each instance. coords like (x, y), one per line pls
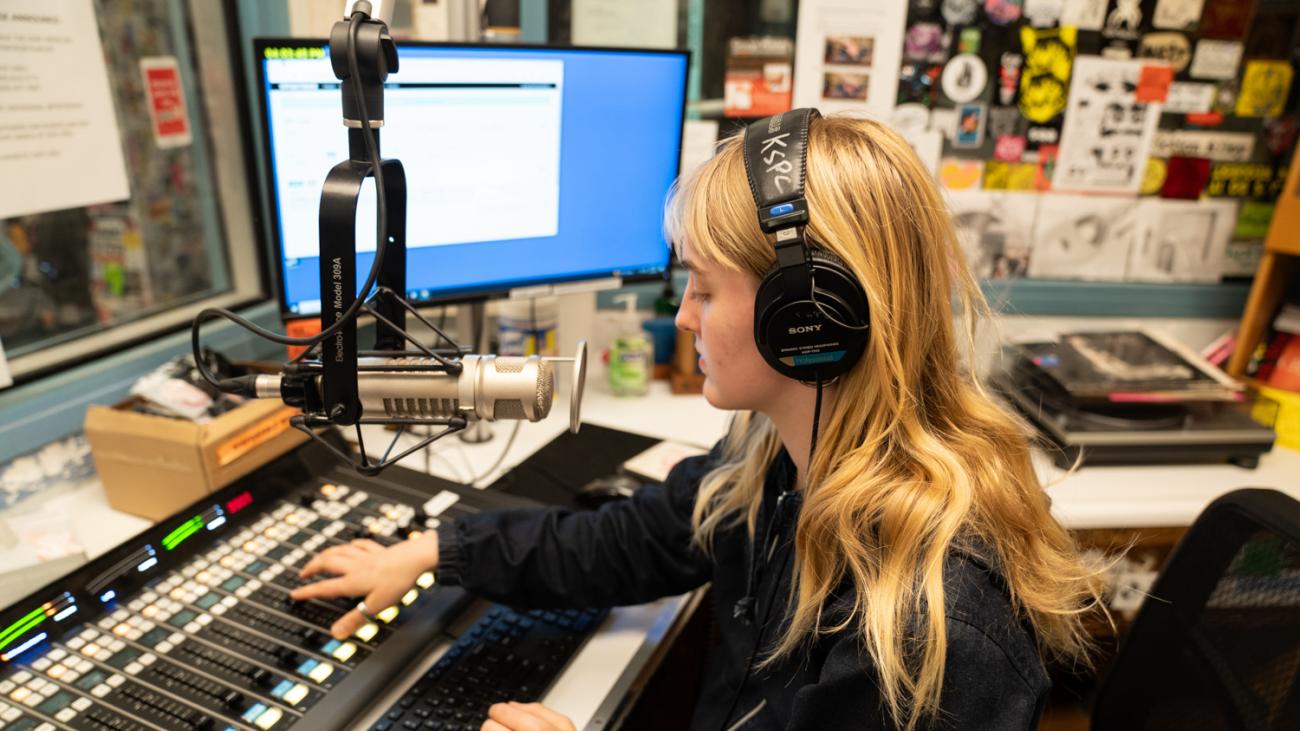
(556, 719)
(348, 624)
(366, 545)
(332, 563)
(316, 564)
(328, 588)
(516, 718)
(490, 725)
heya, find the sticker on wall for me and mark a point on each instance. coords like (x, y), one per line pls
(1124, 20)
(1245, 180)
(1225, 19)
(1039, 135)
(1013, 176)
(1264, 88)
(1153, 83)
(944, 121)
(970, 125)
(994, 230)
(925, 42)
(1084, 14)
(923, 8)
(1004, 121)
(1189, 97)
(969, 40)
(1186, 178)
(1003, 12)
(1049, 55)
(964, 78)
(1216, 59)
(1280, 135)
(910, 120)
(1218, 146)
(1009, 67)
(918, 83)
(166, 101)
(1044, 13)
(1153, 178)
(1225, 96)
(1253, 220)
(959, 12)
(1009, 148)
(1117, 51)
(1045, 167)
(1108, 131)
(1172, 48)
(1177, 14)
(958, 174)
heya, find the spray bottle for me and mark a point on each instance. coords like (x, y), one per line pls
(631, 355)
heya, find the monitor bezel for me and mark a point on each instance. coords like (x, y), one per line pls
(495, 290)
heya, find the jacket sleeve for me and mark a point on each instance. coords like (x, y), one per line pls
(627, 552)
(982, 689)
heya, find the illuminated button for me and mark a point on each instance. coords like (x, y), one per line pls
(19, 694)
(150, 611)
(7, 687)
(133, 668)
(90, 650)
(368, 631)
(67, 714)
(122, 630)
(321, 672)
(344, 651)
(409, 597)
(328, 490)
(101, 690)
(57, 654)
(164, 647)
(41, 664)
(294, 695)
(388, 615)
(57, 671)
(115, 679)
(81, 704)
(425, 581)
(148, 658)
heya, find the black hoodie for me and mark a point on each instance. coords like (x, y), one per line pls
(639, 550)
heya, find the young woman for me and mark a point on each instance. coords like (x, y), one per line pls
(919, 580)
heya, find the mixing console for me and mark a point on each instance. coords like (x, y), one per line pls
(190, 626)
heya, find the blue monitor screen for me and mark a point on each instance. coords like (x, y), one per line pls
(524, 165)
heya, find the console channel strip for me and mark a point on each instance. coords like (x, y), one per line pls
(189, 626)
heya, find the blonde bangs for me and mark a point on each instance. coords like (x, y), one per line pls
(713, 210)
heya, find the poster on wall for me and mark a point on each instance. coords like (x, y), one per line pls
(1108, 131)
(58, 115)
(832, 70)
(1044, 81)
(1083, 237)
(1181, 241)
(758, 79)
(995, 231)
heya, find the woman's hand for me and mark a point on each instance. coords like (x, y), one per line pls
(365, 568)
(525, 717)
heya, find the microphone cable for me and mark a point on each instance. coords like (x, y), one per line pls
(245, 383)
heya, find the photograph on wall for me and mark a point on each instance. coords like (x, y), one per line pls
(851, 50)
(995, 231)
(845, 85)
(1083, 237)
(1181, 241)
(1108, 132)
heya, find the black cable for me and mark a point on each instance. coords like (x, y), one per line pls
(350, 315)
(787, 553)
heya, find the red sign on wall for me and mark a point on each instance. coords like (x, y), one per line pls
(166, 99)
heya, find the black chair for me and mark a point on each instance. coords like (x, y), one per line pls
(1217, 643)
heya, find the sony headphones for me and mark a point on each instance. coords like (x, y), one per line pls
(811, 314)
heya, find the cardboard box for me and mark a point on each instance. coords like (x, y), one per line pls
(152, 466)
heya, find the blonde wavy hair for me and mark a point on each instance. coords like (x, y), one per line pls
(915, 460)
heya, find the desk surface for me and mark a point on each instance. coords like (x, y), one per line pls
(1089, 498)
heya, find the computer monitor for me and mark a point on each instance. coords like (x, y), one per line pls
(525, 165)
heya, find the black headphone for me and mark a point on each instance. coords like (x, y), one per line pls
(811, 314)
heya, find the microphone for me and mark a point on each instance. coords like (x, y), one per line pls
(420, 389)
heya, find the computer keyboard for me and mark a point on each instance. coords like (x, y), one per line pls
(506, 655)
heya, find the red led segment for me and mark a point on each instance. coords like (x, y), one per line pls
(239, 502)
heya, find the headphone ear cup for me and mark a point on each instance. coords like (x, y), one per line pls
(797, 338)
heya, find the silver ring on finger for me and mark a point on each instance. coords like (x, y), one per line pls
(364, 611)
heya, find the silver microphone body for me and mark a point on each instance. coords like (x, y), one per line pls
(489, 387)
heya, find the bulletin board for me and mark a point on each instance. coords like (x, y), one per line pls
(1110, 141)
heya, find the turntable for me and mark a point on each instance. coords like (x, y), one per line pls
(1129, 432)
